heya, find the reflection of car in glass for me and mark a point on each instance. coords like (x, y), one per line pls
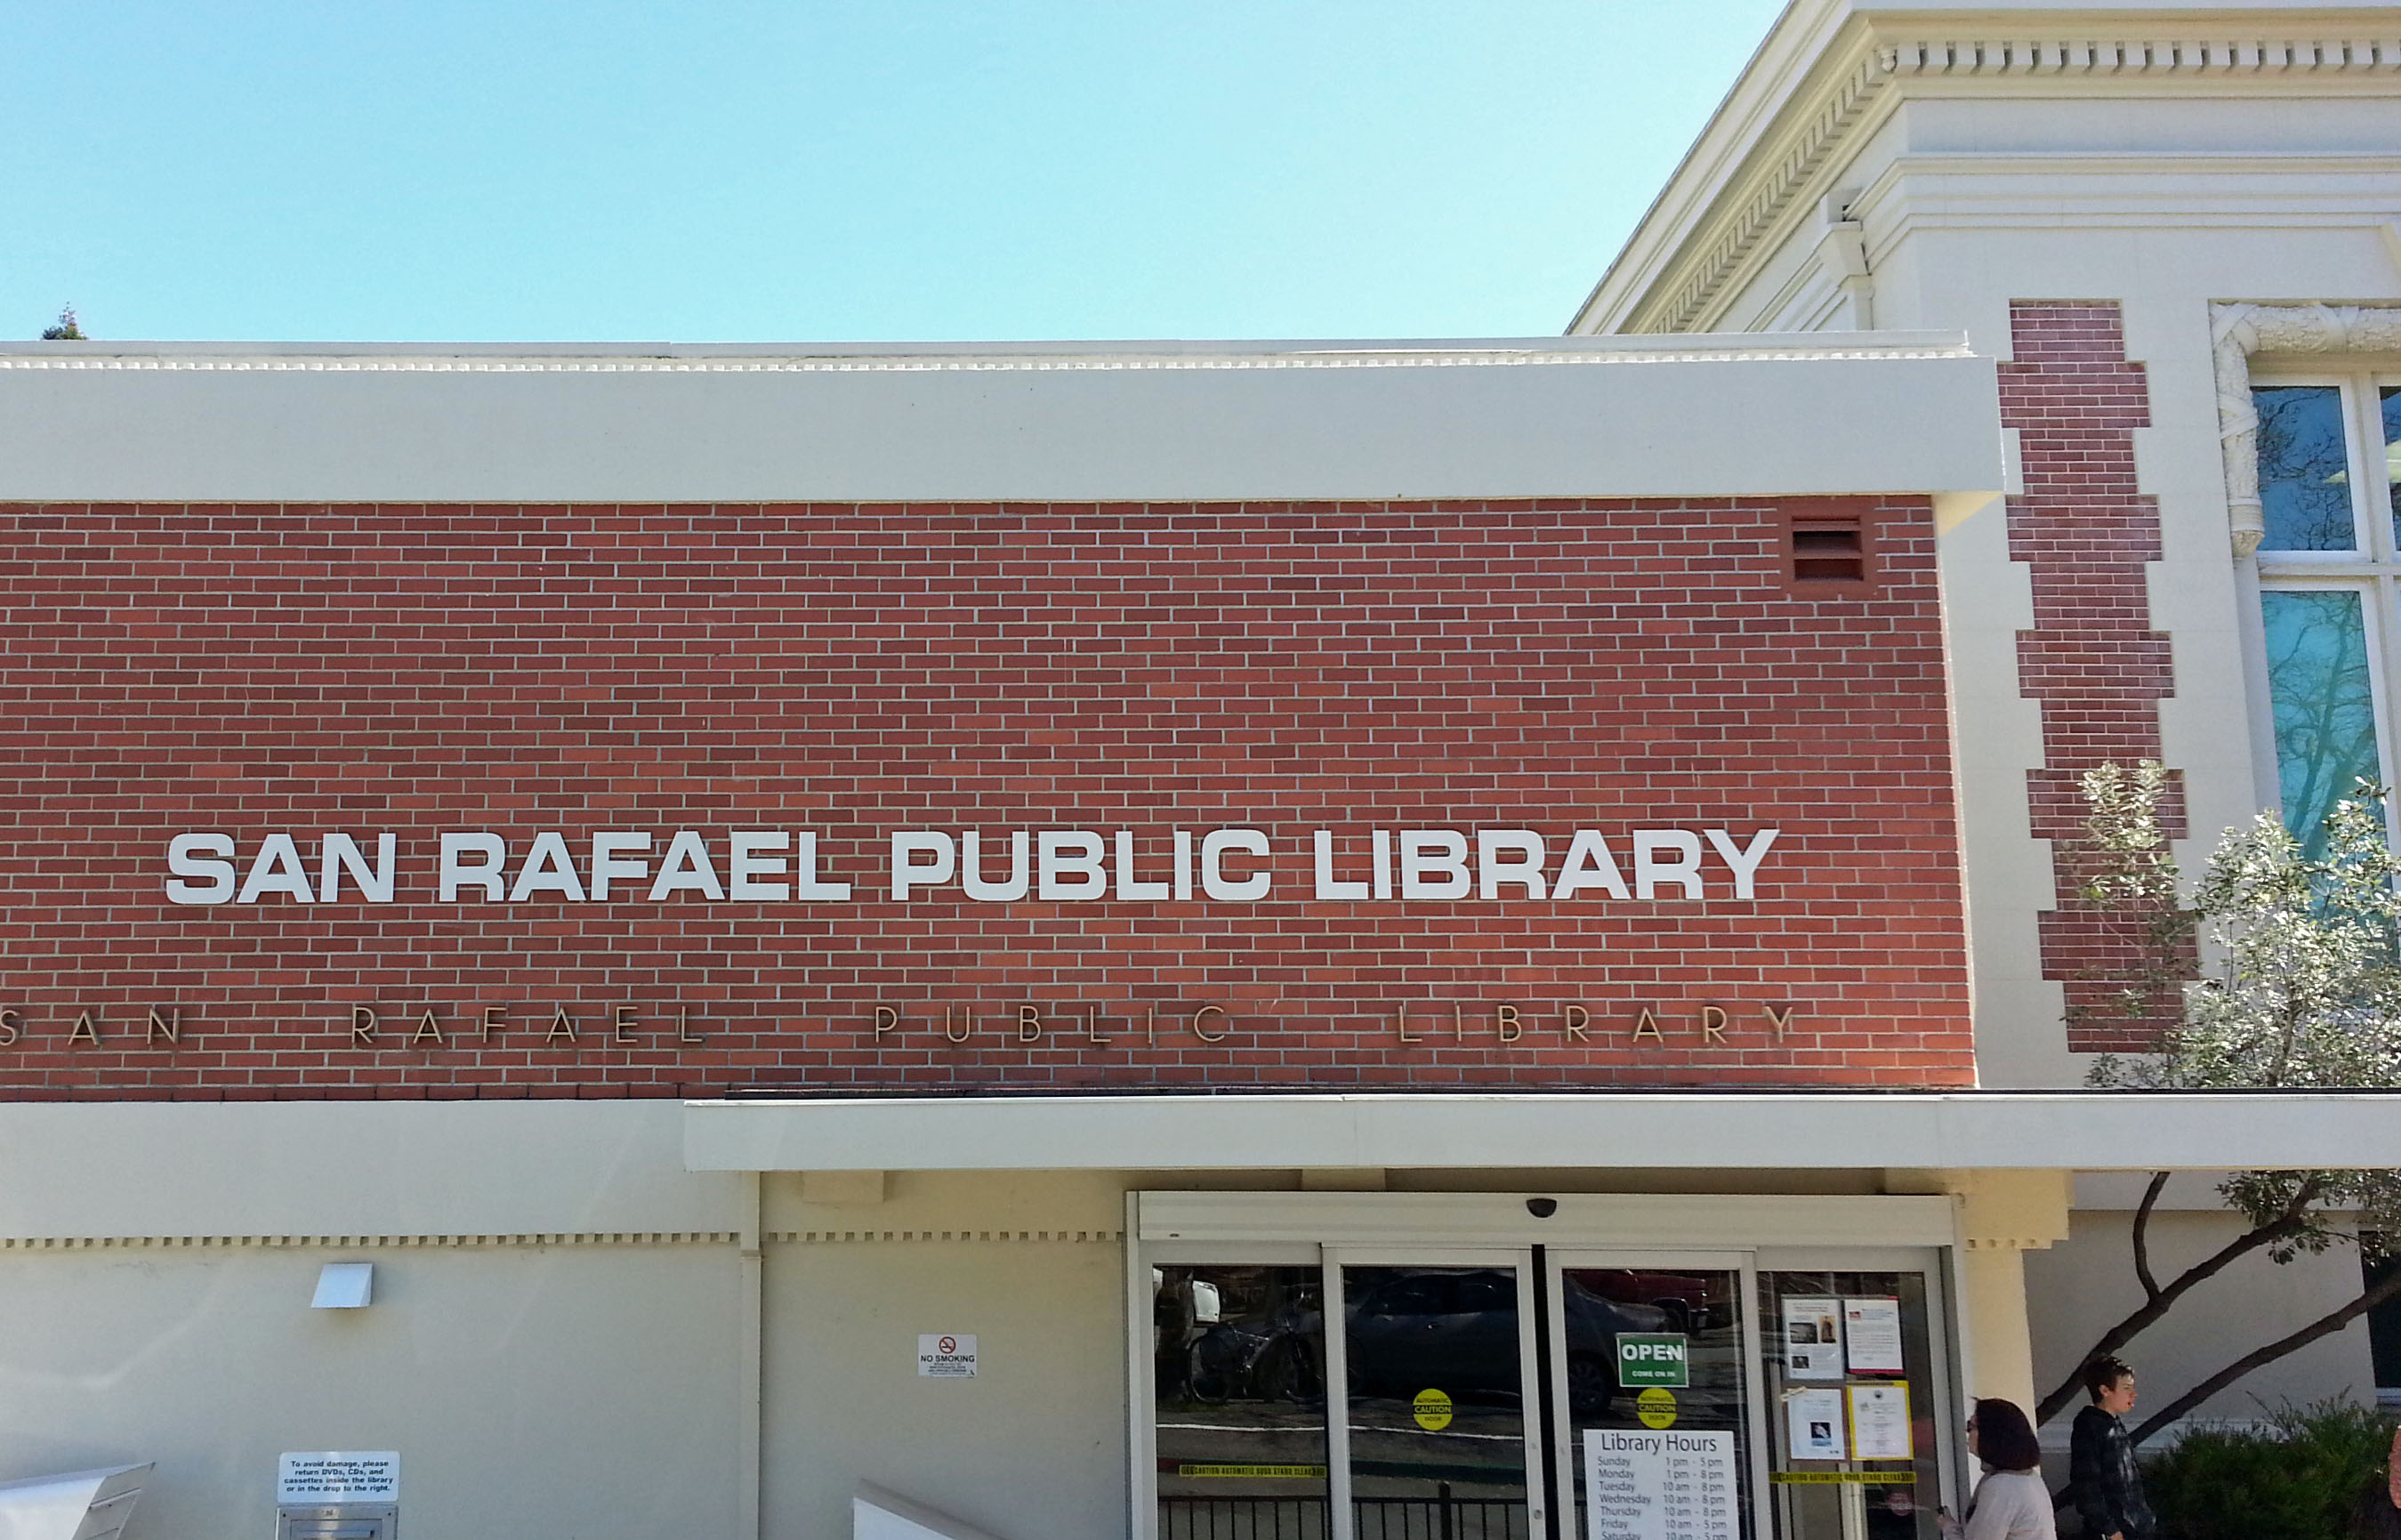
(1458, 1331)
(1683, 1297)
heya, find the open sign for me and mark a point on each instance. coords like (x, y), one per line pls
(1653, 1358)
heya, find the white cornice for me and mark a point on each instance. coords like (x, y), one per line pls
(1725, 209)
(540, 358)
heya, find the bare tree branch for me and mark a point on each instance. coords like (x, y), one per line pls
(2143, 1234)
(2292, 1222)
(2323, 1326)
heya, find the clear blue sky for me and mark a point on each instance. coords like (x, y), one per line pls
(826, 171)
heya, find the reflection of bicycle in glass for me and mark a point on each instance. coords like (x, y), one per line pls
(1266, 1361)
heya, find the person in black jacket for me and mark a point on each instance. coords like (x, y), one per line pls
(2101, 1468)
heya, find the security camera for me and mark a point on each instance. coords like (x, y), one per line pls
(1542, 1208)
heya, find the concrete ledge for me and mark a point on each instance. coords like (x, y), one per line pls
(1750, 416)
(2029, 1130)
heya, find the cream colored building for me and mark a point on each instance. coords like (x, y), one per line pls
(639, 1315)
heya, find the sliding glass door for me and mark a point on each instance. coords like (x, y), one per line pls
(1548, 1393)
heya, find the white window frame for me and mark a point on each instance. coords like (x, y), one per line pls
(2372, 569)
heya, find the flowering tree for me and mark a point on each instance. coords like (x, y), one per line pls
(2306, 996)
(66, 330)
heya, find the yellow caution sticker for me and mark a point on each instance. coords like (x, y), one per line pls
(1257, 1473)
(1433, 1409)
(1656, 1408)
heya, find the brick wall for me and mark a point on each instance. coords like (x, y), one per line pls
(854, 670)
(2086, 533)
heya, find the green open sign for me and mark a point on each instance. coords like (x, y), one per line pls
(1653, 1358)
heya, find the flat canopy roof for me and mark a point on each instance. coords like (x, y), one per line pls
(1753, 416)
(2084, 1131)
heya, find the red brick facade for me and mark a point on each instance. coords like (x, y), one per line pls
(853, 671)
(2085, 532)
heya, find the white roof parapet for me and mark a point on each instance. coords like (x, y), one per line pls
(1753, 416)
(2083, 1131)
(1829, 72)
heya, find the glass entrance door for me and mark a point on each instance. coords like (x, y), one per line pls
(1440, 1429)
(1655, 1426)
(1549, 1394)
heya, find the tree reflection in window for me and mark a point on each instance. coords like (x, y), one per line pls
(2304, 474)
(2319, 686)
(2391, 403)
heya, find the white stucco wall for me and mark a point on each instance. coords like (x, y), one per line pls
(569, 1390)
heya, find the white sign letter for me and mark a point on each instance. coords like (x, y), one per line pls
(1071, 864)
(607, 865)
(908, 874)
(1214, 846)
(200, 856)
(971, 868)
(340, 850)
(1492, 845)
(1744, 864)
(1129, 890)
(277, 868)
(1327, 887)
(1650, 871)
(686, 868)
(745, 865)
(548, 869)
(1429, 854)
(805, 886)
(1589, 864)
(456, 871)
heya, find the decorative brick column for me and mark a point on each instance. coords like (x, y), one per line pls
(2093, 660)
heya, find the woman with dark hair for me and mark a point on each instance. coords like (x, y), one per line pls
(2010, 1502)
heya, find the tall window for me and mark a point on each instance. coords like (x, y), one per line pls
(2330, 581)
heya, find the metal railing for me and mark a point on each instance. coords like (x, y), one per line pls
(1441, 1517)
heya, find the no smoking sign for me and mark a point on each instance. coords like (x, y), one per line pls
(946, 1355)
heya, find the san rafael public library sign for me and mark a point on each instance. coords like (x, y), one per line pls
(1049, 865)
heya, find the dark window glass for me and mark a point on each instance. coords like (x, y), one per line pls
(2304, 473)
(2383, 1327)
(2391, 405)
(1438, 1403)
(2320, 691)
(1241, 1406)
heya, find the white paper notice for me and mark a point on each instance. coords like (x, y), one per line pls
(1880, 1422)
(1813, 1339)
(1813, 1422)
(335, 1475)
(1871, 1335)
(1659, 1486)
(946, 1355)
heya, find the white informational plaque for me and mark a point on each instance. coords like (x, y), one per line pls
(1813, 1339)
(1813, 1424)
(337, 1475)
(1871, 1335)
(1880, 1422)
(1668, 1485)
(946, 1354)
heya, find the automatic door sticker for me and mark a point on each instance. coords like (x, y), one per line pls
(1432, 1409)
(1656, 1408)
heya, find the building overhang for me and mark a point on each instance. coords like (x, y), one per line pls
(2086, 1131)
(1909, 413)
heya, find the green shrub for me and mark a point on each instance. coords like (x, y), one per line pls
(2299, 1478)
